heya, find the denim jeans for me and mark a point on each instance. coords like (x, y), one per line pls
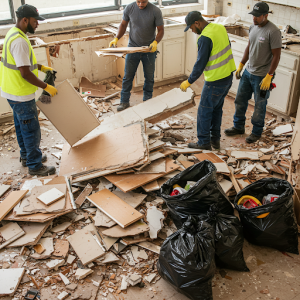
(131, 64)
(248, 85)
(28, 132)
(210, 110)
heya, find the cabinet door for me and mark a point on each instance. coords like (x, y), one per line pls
(191, 51)
(173, 58)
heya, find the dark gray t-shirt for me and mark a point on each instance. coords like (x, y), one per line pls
(262, 41)
(142, 23)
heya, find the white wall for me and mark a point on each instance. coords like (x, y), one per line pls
(282, 15)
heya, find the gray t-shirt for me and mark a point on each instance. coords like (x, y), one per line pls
(262, 41)
(142, 23)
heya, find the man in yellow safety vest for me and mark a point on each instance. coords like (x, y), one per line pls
(19, 82)
(215, 60)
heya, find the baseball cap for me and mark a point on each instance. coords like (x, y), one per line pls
(26, 11)
(191, 18)
(260, 8)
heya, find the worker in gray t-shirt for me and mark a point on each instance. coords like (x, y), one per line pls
(263, 55)
(143, 18)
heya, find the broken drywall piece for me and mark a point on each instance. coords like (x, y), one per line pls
(135, 252)
(61, 248)
(226, 185)
(9, 233)
(248, 169)
(101, 219)
(64, 279)
(282, 129)
(267, 150)
(12, 279)
(55, 263)
(252, 155)
(155, 220)
(70, 259)
(150, 277)
(50, 196)
(155, 155)
(82, 196)
(164, 125)
(134, 279)
(61, 227)
(33, 232)
(63, 295)
(69, 113)
(142, 254)
(134, 229)
(131, 198)
(3, 189)
(117, 209)
(157, 166)
(151, 186)
(157, 144)
(96, 90)
(47, 243)
(109, 257)
(108, 241)
(124, 283)
(86, 244)
(39, 248)
(261, 169)
(273, 168)
(10, 202)
(82, 273)
(150, 246)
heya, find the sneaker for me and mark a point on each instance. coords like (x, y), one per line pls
(197, 146)
(24, 160)
(215, 144)
(123, 106)
(252, 138)
(43, 171)
(233, 131)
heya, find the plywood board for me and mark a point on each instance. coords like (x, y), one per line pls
(9, 233)
(85, 245)
(30, 204)
(11, 278)
(209, 156)
(134, 229)
(129, 182)
(50, 196)
(114, 207)
(33, 232)
(106, 153)
(186, 163)
(3, 189)
(69, 113)
(10, 202)
(131, 198)
(157, 166)
(151, 186)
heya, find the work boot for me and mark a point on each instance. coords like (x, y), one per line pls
(215, 144)
(197, 146)
(24, 160)
(252, 138)
(233, 131)
(43, 171)
(123, 106)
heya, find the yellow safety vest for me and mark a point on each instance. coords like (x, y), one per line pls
(221, 63)
(11, 80)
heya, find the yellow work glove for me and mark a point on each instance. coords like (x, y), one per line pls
(238, 71)
(113, 43)
(45, 69)
(266, 82)
(153, 46)
(184, 85)
(51, 90)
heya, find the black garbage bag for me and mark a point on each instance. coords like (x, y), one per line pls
(229, 239)
(200, 197)
(279, 228)
(187, 259)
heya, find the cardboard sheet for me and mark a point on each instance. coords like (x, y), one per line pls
(129, 182)
(114, 207)
(69, 113)
(106, 153)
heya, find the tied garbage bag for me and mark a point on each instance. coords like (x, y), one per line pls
(273, 224)
(186, 259)
(198, 198)
(229, 239)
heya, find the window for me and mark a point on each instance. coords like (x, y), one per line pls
(173, 2)
(6, 12)
(60, 8)
(125, 2)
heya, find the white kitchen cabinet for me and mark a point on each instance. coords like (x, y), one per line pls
(191, 51)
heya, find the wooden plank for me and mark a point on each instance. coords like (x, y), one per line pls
(134, 229)
(11, 278)
(233, 180)
(10, 202)
(186, 163)
(129, 182)
(70, 115)
(114, 207)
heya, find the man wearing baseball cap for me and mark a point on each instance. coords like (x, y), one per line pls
(19, 82)
(215, 60)
(263, 55)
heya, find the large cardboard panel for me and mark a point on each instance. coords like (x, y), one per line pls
(69, 113)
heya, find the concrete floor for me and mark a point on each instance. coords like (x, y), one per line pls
(273, 274)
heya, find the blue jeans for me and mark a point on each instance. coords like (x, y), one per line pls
(28, 132)
(131, 64)
(210, 110)
(248, 85)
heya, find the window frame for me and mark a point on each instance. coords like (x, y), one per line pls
(174, 2)
(79, 12)
(12, 19)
